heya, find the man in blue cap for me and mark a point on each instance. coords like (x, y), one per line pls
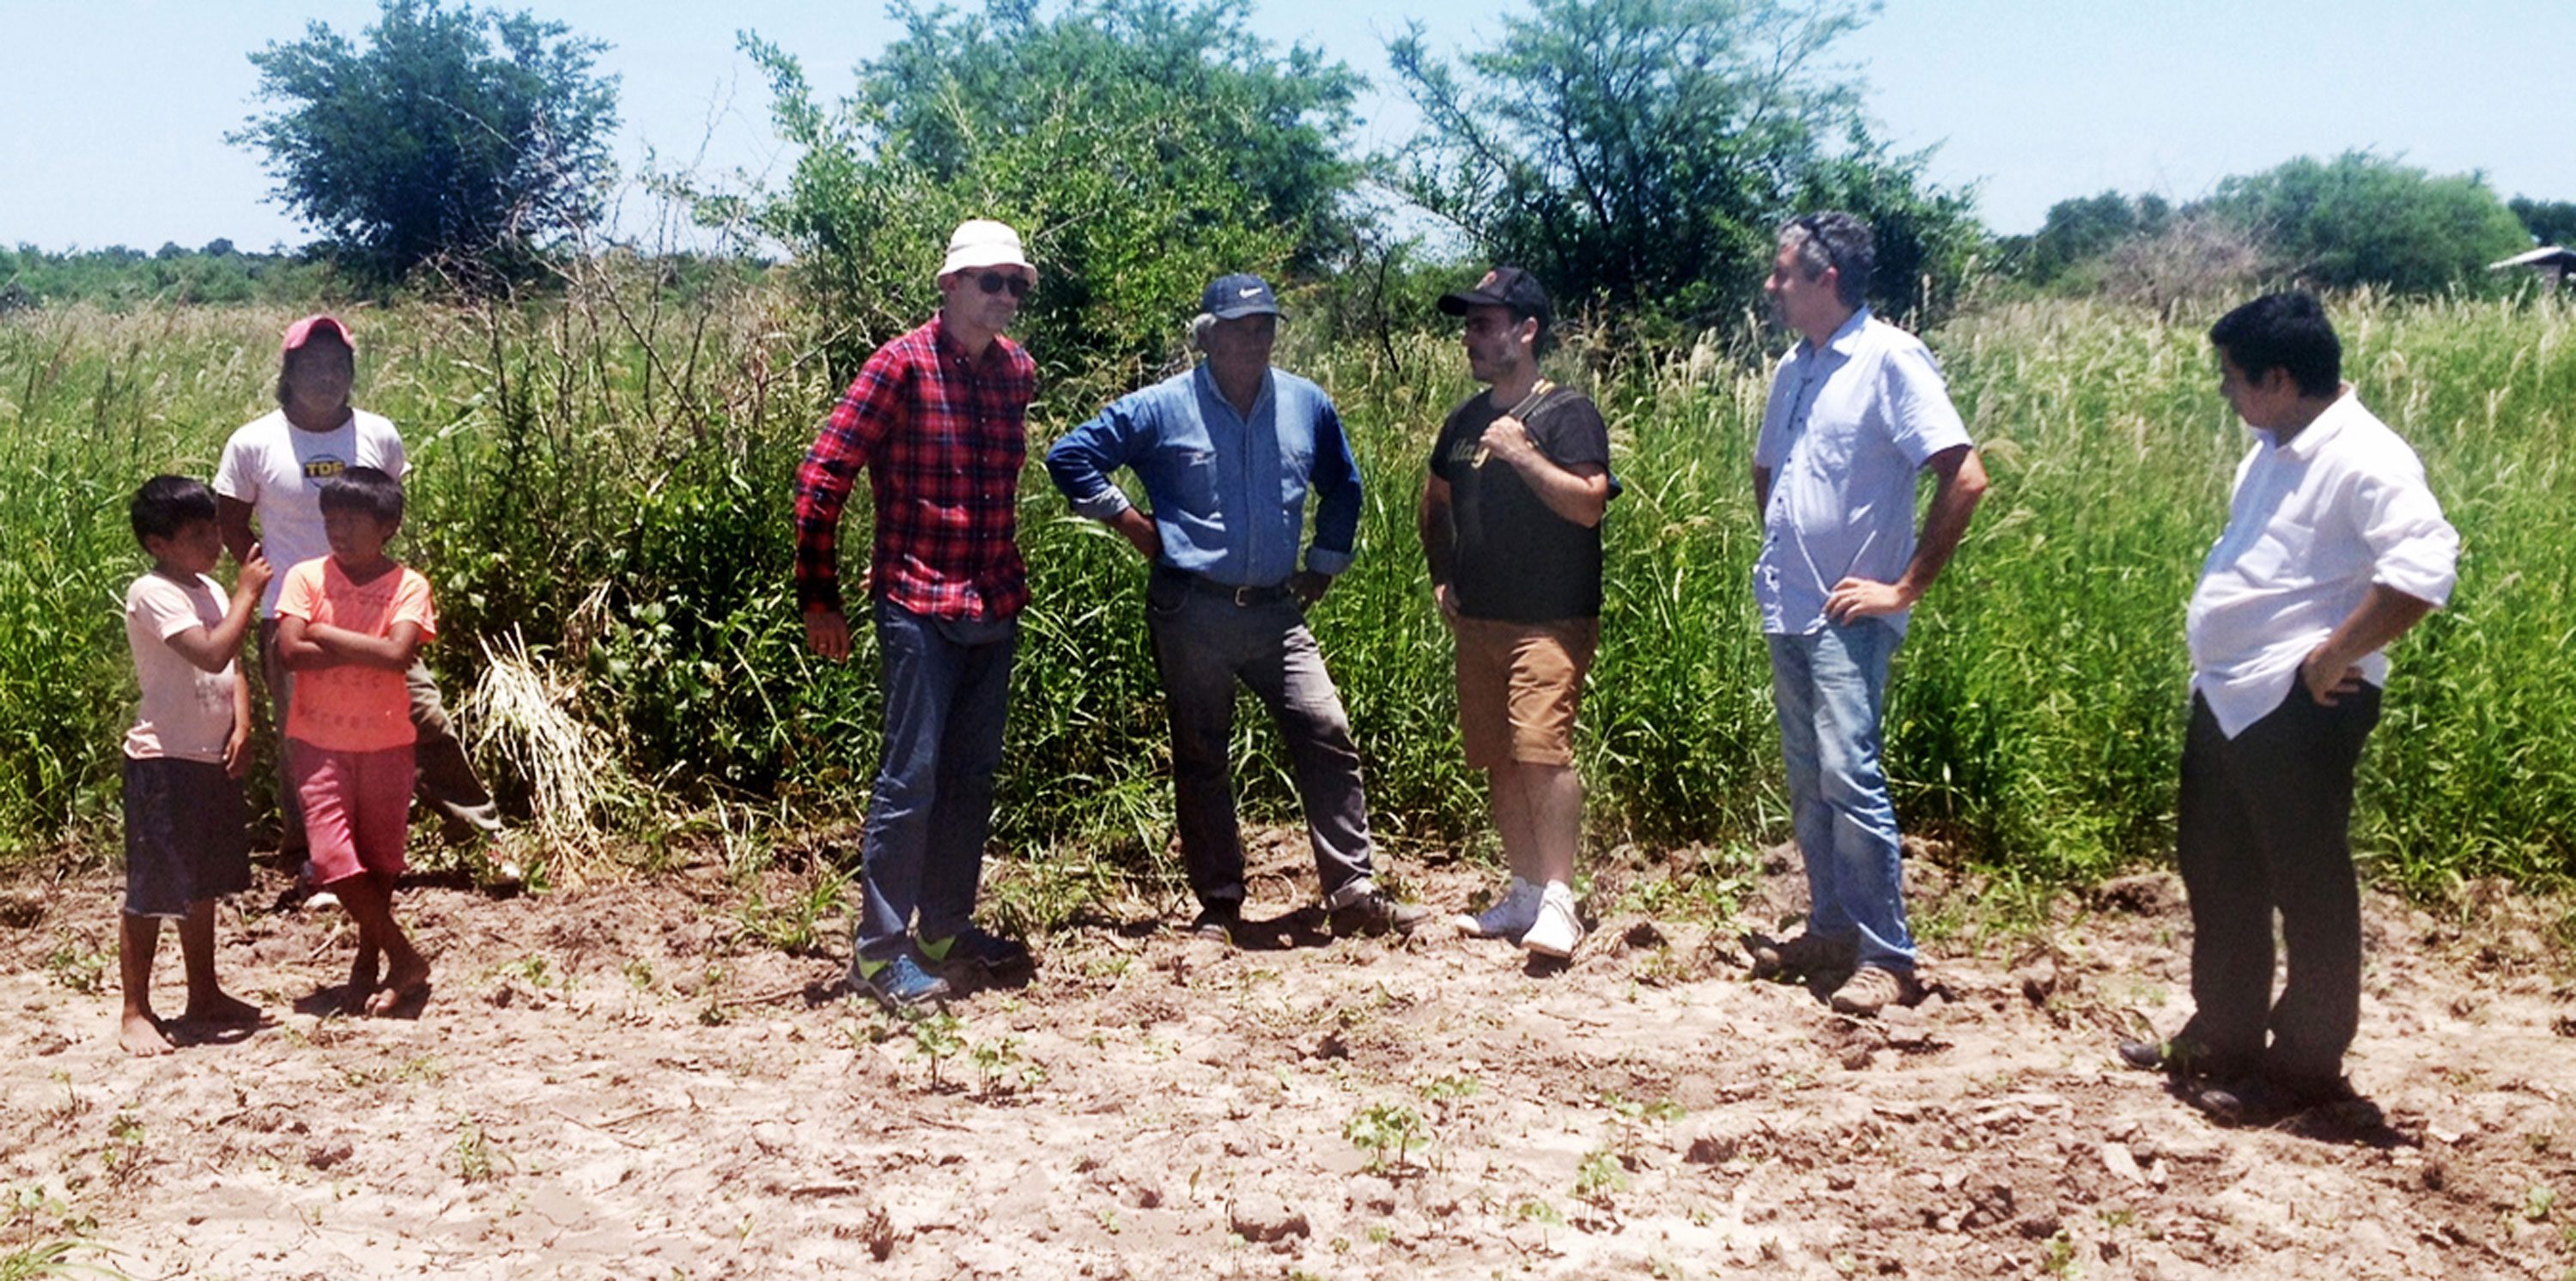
(1228, 453)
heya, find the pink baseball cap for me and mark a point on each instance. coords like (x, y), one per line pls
(301, 332)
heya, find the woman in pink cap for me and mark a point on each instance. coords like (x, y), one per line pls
(271, 476)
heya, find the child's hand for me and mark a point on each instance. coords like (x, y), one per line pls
(255, 573)
(237, 752)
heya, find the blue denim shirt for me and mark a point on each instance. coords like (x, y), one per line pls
(1228, 490)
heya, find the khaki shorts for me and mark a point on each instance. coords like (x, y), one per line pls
(1518, 687)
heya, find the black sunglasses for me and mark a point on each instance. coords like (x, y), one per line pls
(994, 282)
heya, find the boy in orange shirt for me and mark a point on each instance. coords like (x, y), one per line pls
(349, 626)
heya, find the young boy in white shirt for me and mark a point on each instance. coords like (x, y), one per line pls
(187, 839)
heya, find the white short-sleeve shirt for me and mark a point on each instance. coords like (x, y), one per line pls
(278, 468)
(2311, 525)
(186, 712)
(1847, 429)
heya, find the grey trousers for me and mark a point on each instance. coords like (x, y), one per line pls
(2262, 828)
(1203, 644)
(446, 781)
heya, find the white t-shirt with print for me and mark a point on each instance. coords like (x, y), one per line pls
(279, 468)
(187, 711)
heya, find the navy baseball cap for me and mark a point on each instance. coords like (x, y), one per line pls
(1503, 287)
(1239, 295)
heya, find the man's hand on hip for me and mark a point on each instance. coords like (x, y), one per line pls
(2324, 682)
(1138, 529)
(1854, 599)
(1309, 585)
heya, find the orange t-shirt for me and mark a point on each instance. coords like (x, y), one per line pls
(348, 707)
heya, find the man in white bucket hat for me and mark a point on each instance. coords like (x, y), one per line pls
(937, 418)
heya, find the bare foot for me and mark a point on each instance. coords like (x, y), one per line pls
(141, 1037)
(402, 986)
(364, 976)
(219, 1007)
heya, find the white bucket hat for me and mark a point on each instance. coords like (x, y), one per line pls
(982, 242)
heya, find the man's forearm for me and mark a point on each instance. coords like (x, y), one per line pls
(1962, 484)
(2383, 615)
(1578, 496)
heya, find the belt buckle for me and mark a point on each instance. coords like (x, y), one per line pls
(1240, 594)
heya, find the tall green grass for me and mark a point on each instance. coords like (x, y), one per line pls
(607, 477)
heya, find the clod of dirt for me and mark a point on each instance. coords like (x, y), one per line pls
(20, 909)
(2117, 1158)
(322, 1156)
(2038, 981)
(2147, 894)
(1261, 1217)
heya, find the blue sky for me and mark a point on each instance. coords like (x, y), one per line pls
(113, 112)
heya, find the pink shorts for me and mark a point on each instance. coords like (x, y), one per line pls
(357, 808)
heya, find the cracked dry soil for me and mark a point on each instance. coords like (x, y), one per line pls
(619, 1082)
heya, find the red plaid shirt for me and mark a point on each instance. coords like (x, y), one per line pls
(943, 438)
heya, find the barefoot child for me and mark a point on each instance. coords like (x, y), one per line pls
(349, 625)
(186, 828)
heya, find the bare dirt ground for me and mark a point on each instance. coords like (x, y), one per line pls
(631, 1081)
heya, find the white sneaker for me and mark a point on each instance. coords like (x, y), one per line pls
(1557, 930)
(1509, 918)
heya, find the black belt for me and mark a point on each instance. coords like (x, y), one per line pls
(1242, 597)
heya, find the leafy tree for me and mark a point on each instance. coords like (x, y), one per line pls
(472, 134)
(2550, 222)
(1140, 148)
(2364, 219)
(2088, 227)
(1645, 152)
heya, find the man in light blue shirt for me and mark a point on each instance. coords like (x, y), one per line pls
(1228, 453)
(1857, 411)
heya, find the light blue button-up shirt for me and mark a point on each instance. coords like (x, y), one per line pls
(1228, 490)
(1847, 428)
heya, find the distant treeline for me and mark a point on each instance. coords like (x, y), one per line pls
(118, 277)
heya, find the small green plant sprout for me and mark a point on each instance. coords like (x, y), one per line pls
(78, 966)
(1457, 1085)
(123, 1156)
(936, 1039)
(1003, 1069)
(54, 1259)
(2058, 1257)
(1382, 1127)
(477, 1160)
(2538, 1201)
(639, 974)
(1541, 1213)
(794, 926)
(1600, 1175)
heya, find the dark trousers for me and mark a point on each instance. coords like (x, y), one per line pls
(2263, 827)
(1203, 644)
(444, 780)
(947, 687)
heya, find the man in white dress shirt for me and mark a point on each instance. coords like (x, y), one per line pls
(2334, 547)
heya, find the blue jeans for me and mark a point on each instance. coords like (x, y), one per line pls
(946, 687)
(1831, 687)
